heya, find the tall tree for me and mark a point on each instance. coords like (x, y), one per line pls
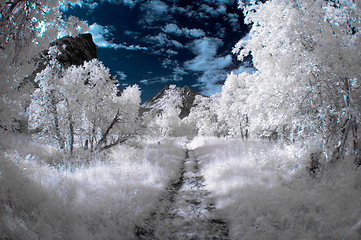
(204, 115)
(27, 27)
(80, 107)
(308, 59)
(232, 110)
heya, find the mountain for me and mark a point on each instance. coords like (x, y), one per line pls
(74, 51)
(77, 49)
(155, 103)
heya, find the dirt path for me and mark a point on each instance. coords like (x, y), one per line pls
(186, 212)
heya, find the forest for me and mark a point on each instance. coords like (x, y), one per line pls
(276, 153)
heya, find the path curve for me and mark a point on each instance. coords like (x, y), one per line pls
(187, 212)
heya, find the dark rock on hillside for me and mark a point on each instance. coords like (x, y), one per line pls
(74, 51)
(155, 103)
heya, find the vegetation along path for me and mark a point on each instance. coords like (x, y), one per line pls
(187, 212)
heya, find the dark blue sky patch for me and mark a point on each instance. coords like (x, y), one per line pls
(156, 43)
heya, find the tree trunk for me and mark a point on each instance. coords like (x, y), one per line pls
(71, 136)
(106, 133)
(355, 143)
(58, 136)
(340, 149)
(120, 140)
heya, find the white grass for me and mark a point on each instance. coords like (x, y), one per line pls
(104, 199)
(265, 191)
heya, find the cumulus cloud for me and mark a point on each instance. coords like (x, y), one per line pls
(242, 69)
(121, 75)
(171, 52)
(206, 49)
(153, 11)
(190, 33)
(144, 81)
(172, 28)
(161, 43)
(130, 3)
(189, 12)
(211, 81)
(81, 4)
(99, 37)
(196, 33)
(233, 20)
(208, 64)
(209, 10)
(229, 2)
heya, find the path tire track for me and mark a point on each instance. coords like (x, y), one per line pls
(186, 212)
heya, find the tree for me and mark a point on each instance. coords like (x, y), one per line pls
(169, 119)
(232, 112)
(27, 27)
(80, 107)
(204, 115)
(308, 60)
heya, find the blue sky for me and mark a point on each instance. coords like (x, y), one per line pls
(155, 43)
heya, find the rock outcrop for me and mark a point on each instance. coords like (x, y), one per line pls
(74, 51)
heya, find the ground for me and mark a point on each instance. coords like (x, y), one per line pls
(186, 211)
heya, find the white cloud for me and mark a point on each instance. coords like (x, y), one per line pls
(242, 69)
(154, 10)
(167, 62)
(207, 9)
(99, 37)
(121, 75)
(144, 81)
(161, 40)
(211, 81)
(130, 3)
(172, 28)
(171, 52)
(176, 44)
(201, 63)
(209, 64)
(233, 21)
(190, 33)
(196, 33)
(179, 71)
(229, 2)
(99, 32)
(206, 49)
(222, 9)
(81, 4)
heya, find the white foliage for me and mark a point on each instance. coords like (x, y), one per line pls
(80, 105)
(204, 115)
(27, 27)
(308, 60)
(169, 117)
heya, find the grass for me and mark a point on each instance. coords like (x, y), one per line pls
(105, 197)
(265, 191)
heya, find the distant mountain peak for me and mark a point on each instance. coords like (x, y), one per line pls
(187, 94)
